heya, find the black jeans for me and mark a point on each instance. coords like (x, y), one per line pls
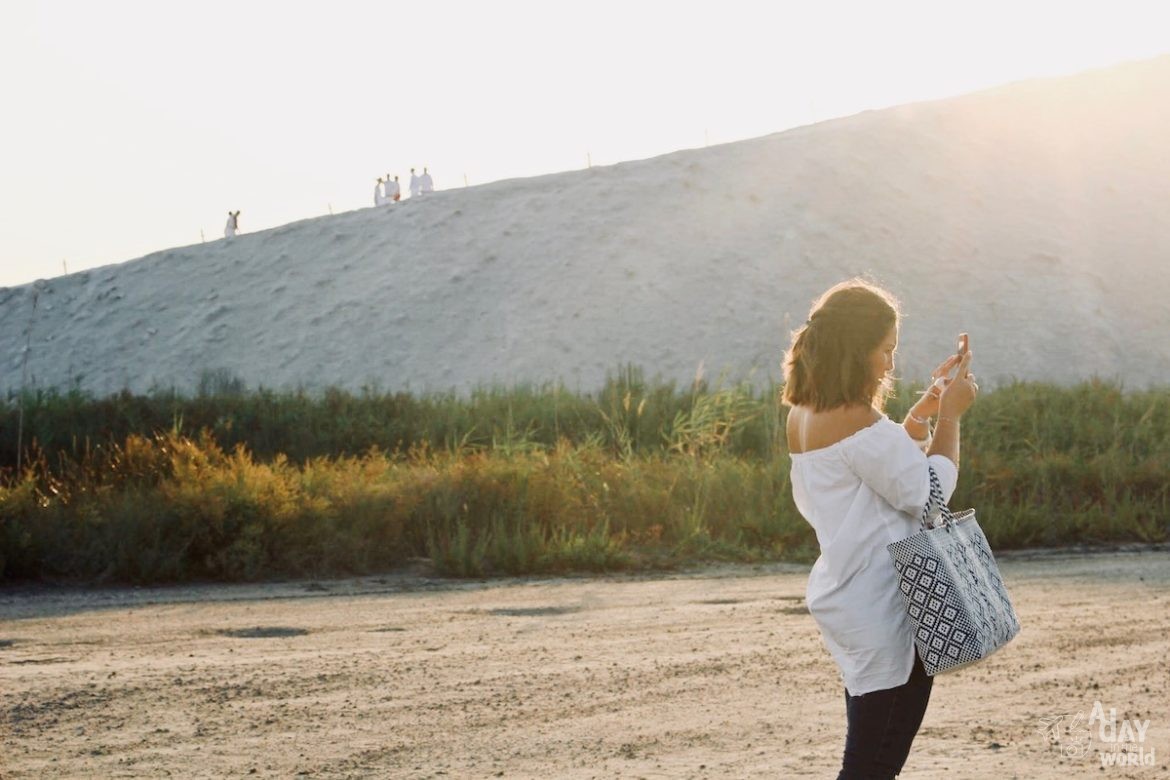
(882, 725)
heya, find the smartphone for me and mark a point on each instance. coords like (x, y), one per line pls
(963, 341)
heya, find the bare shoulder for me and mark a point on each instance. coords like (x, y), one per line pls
(809, 430)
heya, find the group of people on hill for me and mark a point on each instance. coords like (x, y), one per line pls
(387, 190)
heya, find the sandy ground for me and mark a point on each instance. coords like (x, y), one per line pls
(713, 673)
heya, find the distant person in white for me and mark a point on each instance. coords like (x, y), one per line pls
(233, 224)
(379, 198)
(415, 183)
(426, 183)
(862, 481)
(393, 191)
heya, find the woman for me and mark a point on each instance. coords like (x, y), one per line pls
(233, 224)
(861, 481)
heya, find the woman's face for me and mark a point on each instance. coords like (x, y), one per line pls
(881, 360)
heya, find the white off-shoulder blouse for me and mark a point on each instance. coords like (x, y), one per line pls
(859, 495)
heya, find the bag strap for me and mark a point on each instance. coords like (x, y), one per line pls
(935, 503)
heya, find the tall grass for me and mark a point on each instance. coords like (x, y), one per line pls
(236, 485)
(628, 415)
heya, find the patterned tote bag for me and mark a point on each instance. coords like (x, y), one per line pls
(954, 594)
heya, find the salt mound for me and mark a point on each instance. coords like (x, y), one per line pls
(1033, 216)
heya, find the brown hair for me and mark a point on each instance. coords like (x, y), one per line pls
(828, 364)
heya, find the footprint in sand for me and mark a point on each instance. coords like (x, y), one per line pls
(216, 313)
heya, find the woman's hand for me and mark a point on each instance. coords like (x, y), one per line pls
(957, 397)
(927, 406)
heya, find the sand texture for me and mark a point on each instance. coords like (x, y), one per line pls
(718, 673)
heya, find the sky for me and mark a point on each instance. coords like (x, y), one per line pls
(134, 126)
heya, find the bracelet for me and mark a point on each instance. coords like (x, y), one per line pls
(955, 420)
(918, 420)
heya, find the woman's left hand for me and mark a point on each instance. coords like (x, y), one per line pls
(927, 405)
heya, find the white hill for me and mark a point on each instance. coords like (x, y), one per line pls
(1035, 216)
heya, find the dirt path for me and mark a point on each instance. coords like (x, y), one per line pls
(718, 673)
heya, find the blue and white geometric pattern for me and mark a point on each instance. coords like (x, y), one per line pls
(952, 588)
